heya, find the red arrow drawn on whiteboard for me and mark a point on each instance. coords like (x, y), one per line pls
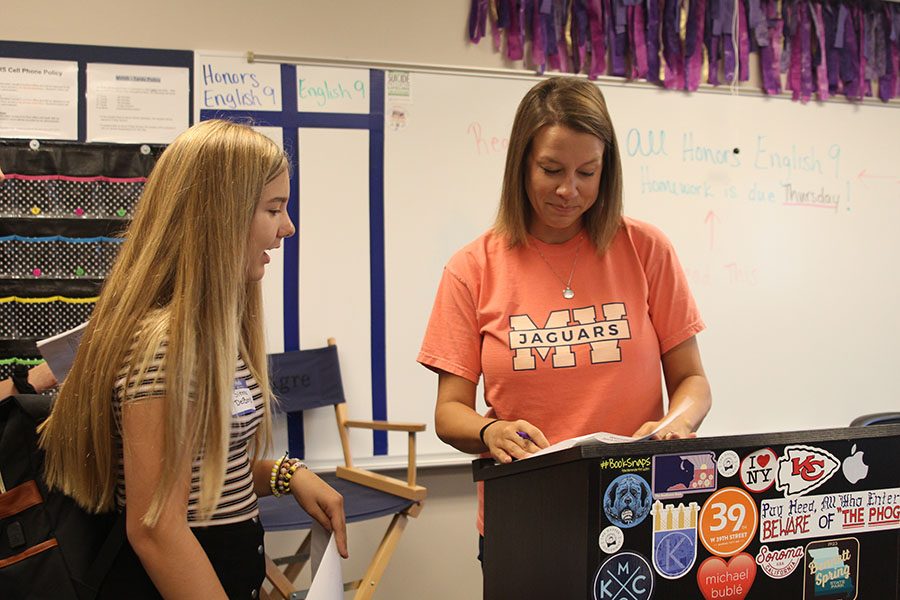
(711, 220)
(863, 175)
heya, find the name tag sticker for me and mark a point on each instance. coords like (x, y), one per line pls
(241, 399)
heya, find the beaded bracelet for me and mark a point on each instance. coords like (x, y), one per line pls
(273, 478)
(288, 469)
(282, 472)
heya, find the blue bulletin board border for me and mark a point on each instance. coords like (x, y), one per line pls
(102, 54)
(290, 120)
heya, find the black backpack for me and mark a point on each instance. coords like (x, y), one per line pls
(49, 547)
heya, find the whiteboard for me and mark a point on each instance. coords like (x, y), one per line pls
(789, 243)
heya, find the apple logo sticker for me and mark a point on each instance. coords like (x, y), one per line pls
(853, 467)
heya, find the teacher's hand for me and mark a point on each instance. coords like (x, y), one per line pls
(675, 430)
(507, 440)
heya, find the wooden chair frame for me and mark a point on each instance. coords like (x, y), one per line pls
(283, 580)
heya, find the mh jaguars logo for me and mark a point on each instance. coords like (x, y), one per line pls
(674, 538)
(627, 500)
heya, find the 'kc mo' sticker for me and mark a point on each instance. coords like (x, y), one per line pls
(624, 576)
(804, 468)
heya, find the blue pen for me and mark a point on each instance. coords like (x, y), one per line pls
(524, 436)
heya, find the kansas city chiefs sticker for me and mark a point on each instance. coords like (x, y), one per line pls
(804, 468)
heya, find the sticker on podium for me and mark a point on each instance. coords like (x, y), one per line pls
(732, 580)
(624, 576)
(674, 538)
(728, 463)
(758, 470)
(627, 500)
(728, 521)
(804, 468)
(677, 474)
(831, 570)
(611, 539)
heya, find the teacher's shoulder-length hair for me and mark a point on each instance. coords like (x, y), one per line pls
(579, 105)
(179, 283)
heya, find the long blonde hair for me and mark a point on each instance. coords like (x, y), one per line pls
(180, 277)
(579, 105)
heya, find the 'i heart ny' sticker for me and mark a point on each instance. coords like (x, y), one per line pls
(758, 470)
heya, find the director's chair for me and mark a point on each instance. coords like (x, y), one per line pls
(309, 379)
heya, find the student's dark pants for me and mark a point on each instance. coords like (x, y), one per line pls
(235, 551)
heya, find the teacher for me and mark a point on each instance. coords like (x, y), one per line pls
(565, 307)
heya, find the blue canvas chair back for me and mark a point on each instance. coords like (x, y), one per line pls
(885, 418)
(302, 380)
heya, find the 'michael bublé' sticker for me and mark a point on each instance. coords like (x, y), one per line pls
(730, 580)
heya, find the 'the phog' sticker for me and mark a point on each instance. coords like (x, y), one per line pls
(624, 576)
(627, 500)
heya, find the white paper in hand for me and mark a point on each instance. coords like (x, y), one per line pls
(328, 578)
(59, 350)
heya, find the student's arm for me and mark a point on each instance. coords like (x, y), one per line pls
(317, 498)
(458, 424)
(40, 377)
(169, 552)
(685, 383)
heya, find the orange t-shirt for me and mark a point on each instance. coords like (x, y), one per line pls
(568, 366)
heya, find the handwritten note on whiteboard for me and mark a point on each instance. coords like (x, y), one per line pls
(333, 90)
(231, 83)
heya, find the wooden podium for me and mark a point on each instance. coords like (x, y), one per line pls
(811, 515)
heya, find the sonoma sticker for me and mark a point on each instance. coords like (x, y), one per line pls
(778, 564)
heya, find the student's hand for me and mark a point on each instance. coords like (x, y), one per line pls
(322, 503)
(507, 440)
(41, 377)
(676, 430)
(2, 176)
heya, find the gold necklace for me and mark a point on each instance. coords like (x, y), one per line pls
(568, 293)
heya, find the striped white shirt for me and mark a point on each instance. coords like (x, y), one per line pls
(238, 501)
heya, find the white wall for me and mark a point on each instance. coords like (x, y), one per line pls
(436, 557)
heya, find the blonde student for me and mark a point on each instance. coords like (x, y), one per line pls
(165, 414)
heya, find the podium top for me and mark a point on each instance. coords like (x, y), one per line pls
(484, 469)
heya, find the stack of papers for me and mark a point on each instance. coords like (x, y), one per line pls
(610, 438)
